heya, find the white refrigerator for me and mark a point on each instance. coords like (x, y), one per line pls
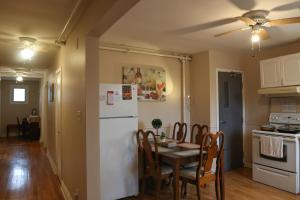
(118, 146)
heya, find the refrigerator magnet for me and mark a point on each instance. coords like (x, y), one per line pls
(126, 92)
(110, 98)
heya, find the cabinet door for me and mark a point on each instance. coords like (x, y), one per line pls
(291, 70)
(270, 75)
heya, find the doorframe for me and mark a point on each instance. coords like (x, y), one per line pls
(243, 102)
(58, 147)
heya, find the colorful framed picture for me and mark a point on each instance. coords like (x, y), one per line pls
(150, 81)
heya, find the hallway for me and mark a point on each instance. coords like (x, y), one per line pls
(25, 172)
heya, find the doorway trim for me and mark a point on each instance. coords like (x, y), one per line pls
(243, 102)
(58, 121)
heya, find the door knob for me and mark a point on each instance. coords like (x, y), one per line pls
(222, 122)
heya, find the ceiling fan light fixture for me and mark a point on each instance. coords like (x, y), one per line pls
(27, 53)
(255, 38)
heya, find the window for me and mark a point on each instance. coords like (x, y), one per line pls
(19, 94)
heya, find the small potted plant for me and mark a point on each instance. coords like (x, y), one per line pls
(156, 123)
(163, 137)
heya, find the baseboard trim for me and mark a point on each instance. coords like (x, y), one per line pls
(52, 163)
(66, 193)
(248, 165)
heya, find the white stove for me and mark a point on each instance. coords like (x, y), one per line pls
(282, 173)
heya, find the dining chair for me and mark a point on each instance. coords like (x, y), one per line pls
(149, 164)
(204, 173)
(197, 132)
(19, 126)
(179, 132)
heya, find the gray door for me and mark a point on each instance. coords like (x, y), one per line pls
(231, 118)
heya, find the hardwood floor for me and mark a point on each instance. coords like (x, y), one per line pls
(238, 186)
(25, 173)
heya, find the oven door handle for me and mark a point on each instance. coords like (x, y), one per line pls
(284, 138)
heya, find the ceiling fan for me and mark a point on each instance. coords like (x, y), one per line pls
(254, 19)
(257, 22)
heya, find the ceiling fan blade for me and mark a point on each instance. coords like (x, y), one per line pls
(247, 20)
(244, 4)
(263, 34)
(204, 26)
(278, 22)
(289, 6)
(232, 31)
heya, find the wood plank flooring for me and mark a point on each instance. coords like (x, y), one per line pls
(25, 173)
(238, 186)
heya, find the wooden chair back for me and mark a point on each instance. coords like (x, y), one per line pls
(18, 122)
(210, 149)
(145, 147)
(179, 132)
(197, 133)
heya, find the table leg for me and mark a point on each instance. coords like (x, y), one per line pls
(176, 172)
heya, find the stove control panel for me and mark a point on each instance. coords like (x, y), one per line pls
(285, 118)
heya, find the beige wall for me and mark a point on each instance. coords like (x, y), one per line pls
(204, 67)
(169, 112)
(200, 88)
(51, 137)
(78, 62)
(9, 111)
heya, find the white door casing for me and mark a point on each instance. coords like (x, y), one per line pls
(58, 130)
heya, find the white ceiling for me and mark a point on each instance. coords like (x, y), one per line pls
(176, 25)
(42, 20)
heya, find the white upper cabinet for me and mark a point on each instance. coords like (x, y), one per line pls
(291, 69)
(270, 74)
(280, 71)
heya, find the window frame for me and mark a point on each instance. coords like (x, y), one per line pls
(12, 94)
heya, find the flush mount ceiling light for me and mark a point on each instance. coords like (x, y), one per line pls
(19, 78)
(27, 53)
(28, 48)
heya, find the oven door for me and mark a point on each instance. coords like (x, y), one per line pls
(290, 154)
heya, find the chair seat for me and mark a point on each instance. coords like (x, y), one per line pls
(190, 165)
(166, 169)
(189, 173)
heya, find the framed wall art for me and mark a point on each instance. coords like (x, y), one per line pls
(150, 81)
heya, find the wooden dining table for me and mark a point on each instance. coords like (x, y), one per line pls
(182, 154)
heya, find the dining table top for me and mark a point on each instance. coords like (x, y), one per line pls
(180, 150)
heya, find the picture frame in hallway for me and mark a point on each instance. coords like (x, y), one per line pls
(150, 81)
(51, 92)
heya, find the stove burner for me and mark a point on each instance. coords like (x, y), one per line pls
(267, 128)
(288, 129)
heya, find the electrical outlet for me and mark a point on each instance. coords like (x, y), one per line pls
(78, 115)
